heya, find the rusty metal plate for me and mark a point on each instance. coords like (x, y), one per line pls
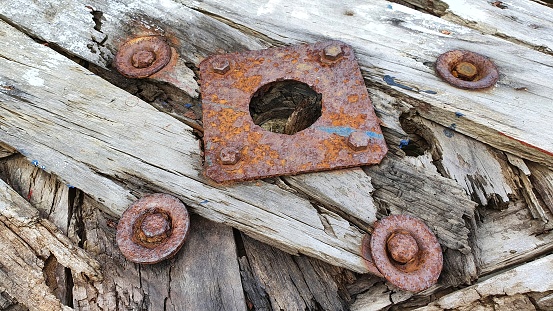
(346, 134)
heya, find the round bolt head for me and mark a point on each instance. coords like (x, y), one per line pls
(423, 268)
(358, 141)
(402, 247)
(229, 156)
(333, 52)
(155, 225)
(153, 228)
(465, 71)
(143, 59)
(221, 66)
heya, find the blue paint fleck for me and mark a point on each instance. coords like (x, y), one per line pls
(390, 80)
(458, 114)
(389, 6)
(34, 162)
(429, 92)
(70, 186)
(450, 131)
(43, 167)
(188, 105)
(346, 131)
(204, 202)
(404, 143)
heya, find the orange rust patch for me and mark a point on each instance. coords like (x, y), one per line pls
(353, 98)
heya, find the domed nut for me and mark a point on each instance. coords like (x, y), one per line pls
(141, 57)
(466, 70)
(153, 229)
(406, 252)
(402, 247)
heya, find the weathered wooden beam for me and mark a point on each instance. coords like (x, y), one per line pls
(524, 22)
(531, 277)
(27, 241)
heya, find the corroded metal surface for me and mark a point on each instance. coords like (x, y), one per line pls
(238, 149)
(467, 70)
(142, 56)
(366, 254)
(153, 228)
(393, 237)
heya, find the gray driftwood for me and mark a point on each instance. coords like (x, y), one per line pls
(80, 150)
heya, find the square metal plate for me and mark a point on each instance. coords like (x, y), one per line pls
(346, 134)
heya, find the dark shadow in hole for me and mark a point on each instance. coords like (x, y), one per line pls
(285, 107)
(416, 145)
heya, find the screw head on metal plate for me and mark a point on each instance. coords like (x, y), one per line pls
(346, 134)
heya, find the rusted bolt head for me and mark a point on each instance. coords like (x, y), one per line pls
(466, 70)
(420, 266)
(229, 156)
(220, 66)
(333, 52)
(402, 247)
(358, 141)
(153, 228)
(141, 57)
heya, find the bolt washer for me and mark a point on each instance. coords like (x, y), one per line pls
(149, 204)
(346, 109)
(420, 273)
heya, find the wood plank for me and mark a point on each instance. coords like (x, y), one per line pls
(346, 192)
(542, 179)
(291, 282)
(54, 202)
(484, 173)
(524, 22)
(143, 146)
(27, 243)
(207, 275)
(391, 40)
(531, 277)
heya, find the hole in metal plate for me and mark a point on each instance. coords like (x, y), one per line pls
(285, 107)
